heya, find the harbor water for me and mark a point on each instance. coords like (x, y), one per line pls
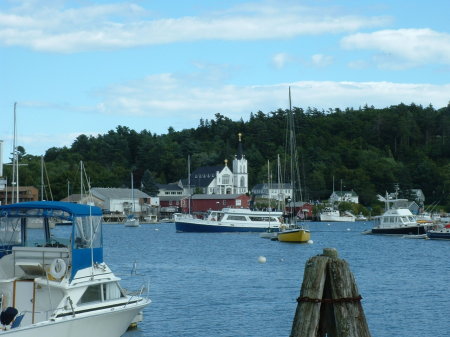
(209, 284)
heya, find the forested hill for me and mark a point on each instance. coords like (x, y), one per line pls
(368, 150)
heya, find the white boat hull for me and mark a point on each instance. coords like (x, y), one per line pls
(333, 218)
(111, 322)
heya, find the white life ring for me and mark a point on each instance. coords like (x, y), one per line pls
(58, 268)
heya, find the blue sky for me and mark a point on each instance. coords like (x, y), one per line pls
(86, 66)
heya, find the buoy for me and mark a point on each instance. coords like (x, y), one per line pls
(262, 259)
(156, 229)
(310, 242)
(348, 229)
(329, 224)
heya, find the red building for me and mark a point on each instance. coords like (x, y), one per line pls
(200, 203)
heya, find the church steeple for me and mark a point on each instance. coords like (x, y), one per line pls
(240, 169)
(240, 151)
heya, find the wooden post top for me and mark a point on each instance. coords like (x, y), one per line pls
(330, 252)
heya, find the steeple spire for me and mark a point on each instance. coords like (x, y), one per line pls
(240, 151)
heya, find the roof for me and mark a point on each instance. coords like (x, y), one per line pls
(342, 193)
(273, 186)
(169, 187)
(216, 196)
(203, 176)
(75, 209)
(117, 193)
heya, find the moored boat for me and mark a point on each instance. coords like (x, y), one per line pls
(55, 282)
(298, 235)
(230, 220)
(329, 214)
(398, 220)
(440, 233)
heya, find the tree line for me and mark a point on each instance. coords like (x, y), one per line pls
(367, 150)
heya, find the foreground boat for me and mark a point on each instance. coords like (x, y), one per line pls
(230, 220)
(58, 285)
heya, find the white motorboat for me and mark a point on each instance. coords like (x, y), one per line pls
(230, 220)
(398, 219)
(58, 284)
(329, 214)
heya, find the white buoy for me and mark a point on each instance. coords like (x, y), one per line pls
(310, 242)
(329, 224)
(262, 259)
(348, 229)
(156, 229)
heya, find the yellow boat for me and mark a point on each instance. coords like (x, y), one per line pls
(294, 235)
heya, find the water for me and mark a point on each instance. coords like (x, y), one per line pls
(210, 284)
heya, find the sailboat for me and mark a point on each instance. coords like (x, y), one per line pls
(291, 231)
(132, 220)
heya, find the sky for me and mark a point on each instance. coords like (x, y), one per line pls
(87, 66)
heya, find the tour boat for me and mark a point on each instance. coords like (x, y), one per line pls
(230, 220)
(53, 281)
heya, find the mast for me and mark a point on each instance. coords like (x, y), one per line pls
(15, 172)
(132, 192)
(42, 178)
(189, 184)
(81, 181)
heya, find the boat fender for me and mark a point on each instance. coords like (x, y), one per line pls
(58, 268)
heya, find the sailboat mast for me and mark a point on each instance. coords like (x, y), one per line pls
(189, 184)
(42, 178)
(81, 181)
(15, 173)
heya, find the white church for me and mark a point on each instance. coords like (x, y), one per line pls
(220, 179)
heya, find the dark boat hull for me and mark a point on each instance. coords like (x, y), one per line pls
(438, 235)
(400, 230)
(208, 228)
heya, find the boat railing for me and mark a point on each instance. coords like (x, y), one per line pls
(138, 294)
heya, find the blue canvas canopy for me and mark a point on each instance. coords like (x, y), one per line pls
(85, 240)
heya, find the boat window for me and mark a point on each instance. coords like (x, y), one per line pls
(236, 217)
(92, 294)
(35, 232)
(404, 219)
(88, 232)
(260, 218)
(10, 231)
(111, 291)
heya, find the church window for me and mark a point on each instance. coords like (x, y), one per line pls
(226, 179)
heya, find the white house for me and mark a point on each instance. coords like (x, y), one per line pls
(273, 191)
(120, 199)
(347, 196)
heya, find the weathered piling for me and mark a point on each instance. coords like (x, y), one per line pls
(329, 303)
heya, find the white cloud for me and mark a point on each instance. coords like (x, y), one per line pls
(122, 25)
(165, 95)
(403, 48)
(320, 60)
(280, 60)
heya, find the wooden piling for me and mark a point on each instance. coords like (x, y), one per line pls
(329, 303)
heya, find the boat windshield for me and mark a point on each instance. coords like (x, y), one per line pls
(87, 232)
